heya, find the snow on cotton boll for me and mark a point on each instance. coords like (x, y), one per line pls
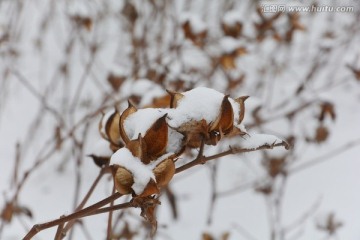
(135, 167)
(151, 123)
(205, 115)
(131, 175)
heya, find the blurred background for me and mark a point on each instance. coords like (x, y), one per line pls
(63, 62)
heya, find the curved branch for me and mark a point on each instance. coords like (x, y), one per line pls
(79, 214)
(232, 150)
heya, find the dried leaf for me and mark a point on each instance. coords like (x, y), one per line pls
(11, 209)
(322, 133)
(115, 81)
(148, 205)
(8, 212)
(129, 11)
(266, 189)
(227, 61)
(100, 161)
(160, 102)
(232, 30)
(207, 236)
(327, 109)
(225, 236)
(275, 166)
(82, 21)
(355, 71)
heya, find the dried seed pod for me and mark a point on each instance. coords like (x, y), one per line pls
(227, 61)
(109, 128)
(130, 110)
(241, 102)
(150, 189)
(322, 133)
(123, 180)
(195, 132)
(164, 172)
(225, 120)
(156, 139)
(233, 30)
(327, 109)
(99, 160)
(174, 98)
(137, 147)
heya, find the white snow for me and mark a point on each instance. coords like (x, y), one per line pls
(174, 141)
(154, 163)
(197, 104)
(253, 141)
(141, 120)
(141, 173)
(236, 109)
(196, 23)
(193, 58)
(231, 18)
(102, 148)
(151, 89)
(229, 44)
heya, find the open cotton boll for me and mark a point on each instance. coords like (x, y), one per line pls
(141, 120)
(174, 141)
(140, 172)
(197, 104)
(151, 89)
(229, 44)
(197, 24)
(232, 17)
(154, 163)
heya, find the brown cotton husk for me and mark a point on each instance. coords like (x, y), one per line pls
(241, 102)
(174, 98)
(164, 172)
(156, 138)
(112, 128)
(150, 189)
(123, 180)
(130, 110)
(225, 120)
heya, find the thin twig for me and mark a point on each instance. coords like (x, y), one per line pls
(76, 215)
(59, 231)
(232, 150)
(109, 227)
(86, 198)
